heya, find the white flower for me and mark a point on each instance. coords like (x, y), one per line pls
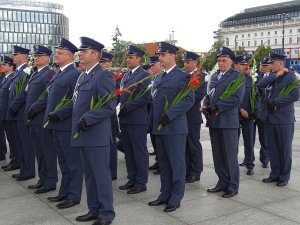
(27, 70)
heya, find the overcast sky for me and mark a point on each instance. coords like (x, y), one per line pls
(192, 21)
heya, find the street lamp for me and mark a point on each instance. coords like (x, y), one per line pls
(283, 16)
(235, 43)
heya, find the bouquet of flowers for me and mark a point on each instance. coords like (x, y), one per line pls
(233, 87)
(253, 90)
(21, 82)
(194, 84)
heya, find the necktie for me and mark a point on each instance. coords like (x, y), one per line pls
(220, 76)
(4, 79)
(163, 74)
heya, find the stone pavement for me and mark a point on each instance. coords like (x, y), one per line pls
(256, 203)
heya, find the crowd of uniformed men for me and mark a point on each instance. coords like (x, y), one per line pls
(48, 116)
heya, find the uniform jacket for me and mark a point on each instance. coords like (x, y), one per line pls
(61, 86)
(136, 108)
(228, 108)
(4, 94)
(168, 87)
(194, 115)
(37, 84)
(98, 82)
(17, 103)
(284, 113)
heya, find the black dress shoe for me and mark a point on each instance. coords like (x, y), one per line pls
(16, 175)
(215, 190)
(113, 178)
(250, 172)
(66, 204)
(157, 202)
(35, 186)
(126, 186)
(4, 166)
(11, 167)
(85, 218)
(170, 208)
(265, 165)
(270, 180)
(22, 178)
(57, 198)
(242, 164)
(281, 183)
(229, 194)
(101, 222)
(155, 166)
(192, 178)
(157, 172)
(44, 190)
(136, 190)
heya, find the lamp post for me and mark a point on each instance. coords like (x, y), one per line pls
(235, 43)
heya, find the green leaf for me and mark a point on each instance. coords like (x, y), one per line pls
(166, 106)
(92, 103)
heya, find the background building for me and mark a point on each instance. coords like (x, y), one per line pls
(276, 25)
(27, 23)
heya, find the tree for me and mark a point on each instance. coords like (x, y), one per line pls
(261, 52)
(210, 58)
(179, 61)
(241, 51)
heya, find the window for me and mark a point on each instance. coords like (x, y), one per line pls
(262, 34)
(16, 27)
(255, 43)
(14, 16)
(269, 33)
(33, 28)
(45, 18)
(298, 30)
(49, 18)
(1, 37)
(11, 37)
(298, 40)
(290, 31)
(255, 34)
(23, 17)
(28, 38)
(275, 41)
(269, 42)
(32, 17)
(19, 16)
(4, 15)
(29, 28)
(227, 42)
(12, 27)
(242, 35)
(261, 42)
(248, 43)
(28, 17)
(6, 26)
(21, 27)
(15, 37)
(25, 27)
(42, 28)
(290, 40)
(36, 16)
(2, 26)
(275, 32)
(19, 38)
(38, 28)
(242, 44)
(41, 18)
(248, 35)
(24, 38)
(9, 15)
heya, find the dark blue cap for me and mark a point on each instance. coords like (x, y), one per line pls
(188, 56)
(41, 50)
(88, 43)
(20, 50)
(165, 47)
(7, 60)
(225, 52)
(67, 45)
(105, 56)
(153, 59)
(146, 66)
(264, 61)
(275, 57)
(132, 50)
(241, 59)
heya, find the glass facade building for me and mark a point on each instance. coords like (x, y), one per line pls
(27, 23)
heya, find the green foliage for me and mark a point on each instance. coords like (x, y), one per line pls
(233, 87)
(261, 52)
(286, 90)
(179, 61)
(241, 51)
(210, 58)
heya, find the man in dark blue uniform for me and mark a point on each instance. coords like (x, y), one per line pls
(60, 124)
(36, 101)
(106, 63)
(171, 139)
(91, 124)
(16, 112)
(193, 151)
(134, 120)
(264, 70)
(279, 119)
(20, 58)
(8, 72)
(246, 114)
(224, 124)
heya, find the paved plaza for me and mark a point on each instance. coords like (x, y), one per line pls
(257, 202)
